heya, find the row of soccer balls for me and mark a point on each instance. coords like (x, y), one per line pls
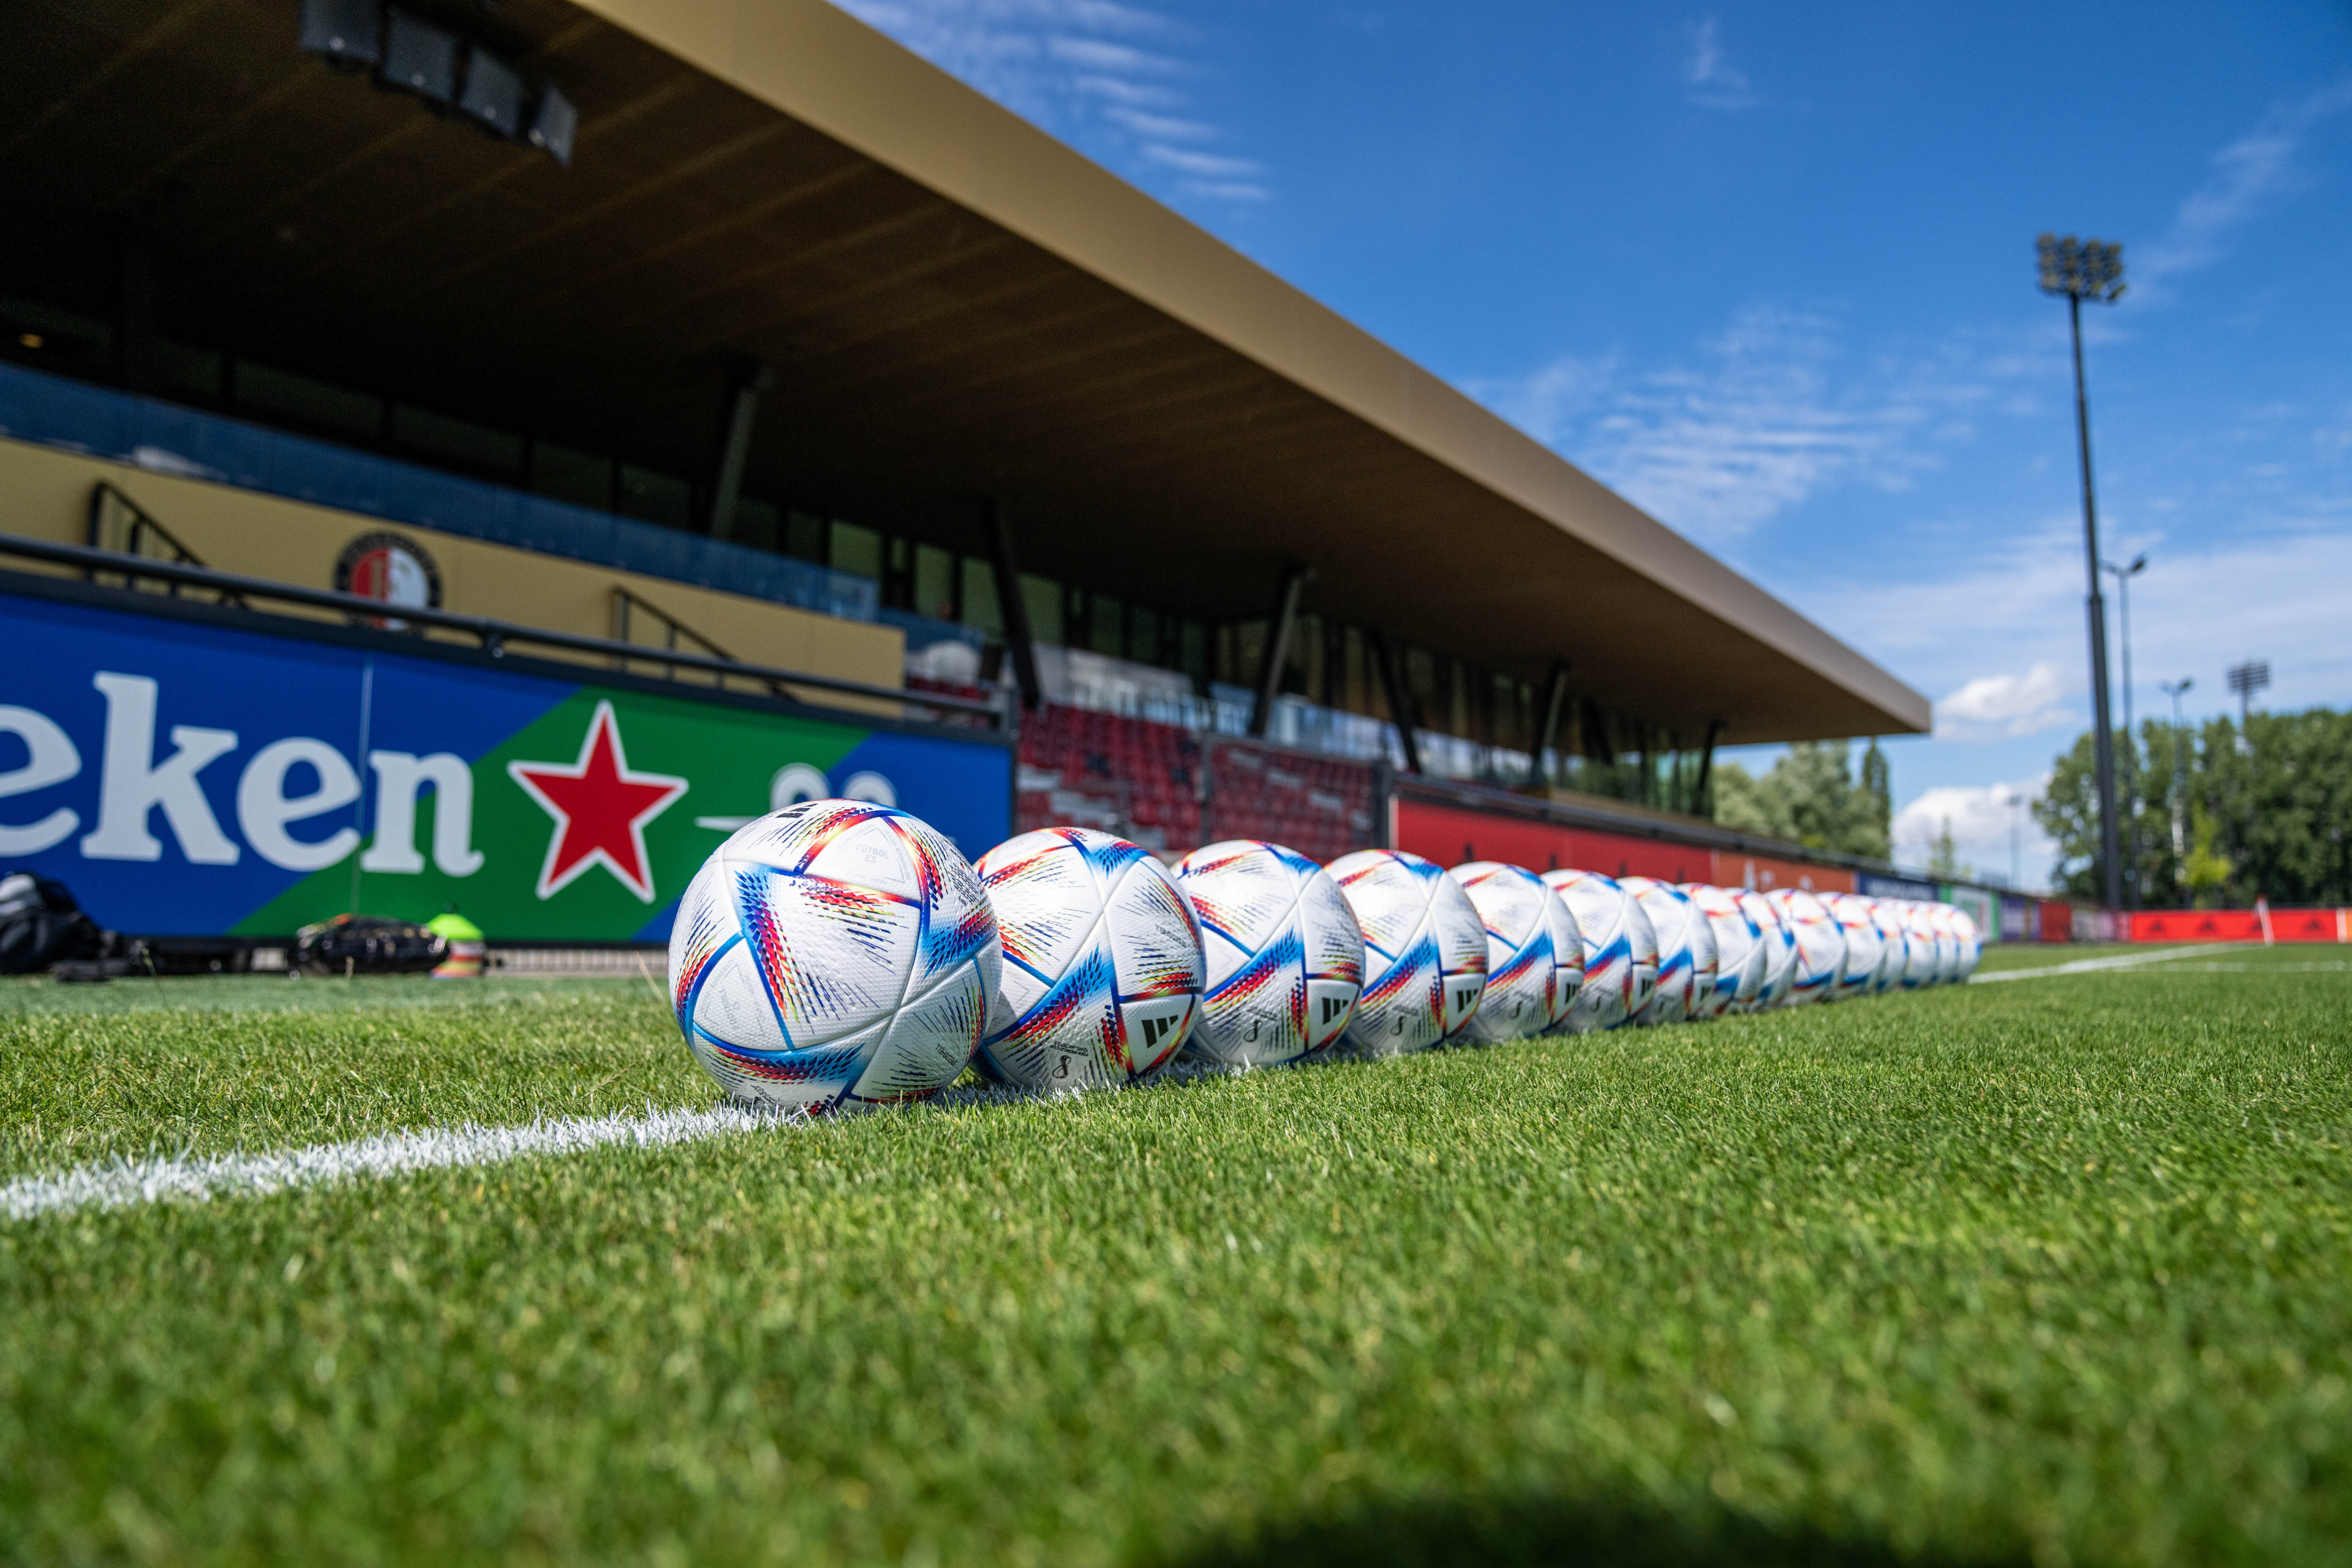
(838, 950)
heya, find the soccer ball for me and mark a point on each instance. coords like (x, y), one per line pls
(1285, 959)
(832, 952)
(1621, 951)
(1947, 943)
(1742, 959)
(1102, 961)
(1686, 953)
(1887, 915)
(1535, 959)
(1780, 950)
(1865, 948)
(1424, 952)
(1821, 945)
(1972, 941)
(1919, 945)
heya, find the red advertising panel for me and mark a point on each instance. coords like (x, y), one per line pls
(2238, 925)
(1451, 835)
(2057, 921)
(1763, 873)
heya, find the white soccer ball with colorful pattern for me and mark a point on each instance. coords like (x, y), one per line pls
(1887, 915)
(1535, 958)
(1780, 950)
(1741, 957)
(1102, 969)
(1865, 945)
(1424, 952)
(1821, 945)
(1284, 960)
(1621, 951)
(1686, 955)
(1971, 939)
(834, 952)
(1918, 944)
(1947, 941)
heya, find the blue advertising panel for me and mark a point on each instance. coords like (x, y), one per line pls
(189, 770)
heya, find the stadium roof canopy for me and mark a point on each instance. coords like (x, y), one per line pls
(957, 307)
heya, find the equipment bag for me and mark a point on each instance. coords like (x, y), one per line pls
(40, 925)
(368, 944)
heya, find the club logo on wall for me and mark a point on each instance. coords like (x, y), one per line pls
(392, 567)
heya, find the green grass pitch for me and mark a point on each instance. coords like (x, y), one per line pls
(2054, 1271)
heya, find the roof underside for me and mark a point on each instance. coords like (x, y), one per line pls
(929, 356)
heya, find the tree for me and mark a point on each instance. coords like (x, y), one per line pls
(1944, 863)
(1811, 797)
(2207, 870)
(2271, 811)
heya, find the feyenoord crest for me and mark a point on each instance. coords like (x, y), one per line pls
(390, 566)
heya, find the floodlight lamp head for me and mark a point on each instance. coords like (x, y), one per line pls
(2138, 565)
(2080, 269)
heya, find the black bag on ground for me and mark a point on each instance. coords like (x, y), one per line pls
(368, 944)
(40, 925)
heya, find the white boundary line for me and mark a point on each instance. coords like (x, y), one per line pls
(126, 1184)
(123, 1183)
(2117, 961)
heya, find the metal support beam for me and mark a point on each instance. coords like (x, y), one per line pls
(746, 379)
(1401, 710)
(1699, 803)
(1554, 694)
(1278, 643)
(1013, 607)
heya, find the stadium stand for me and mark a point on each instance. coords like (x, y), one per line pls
(1172, 789)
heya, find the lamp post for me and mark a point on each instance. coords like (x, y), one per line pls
(2122, 576)
(2173, 689)
(2086, 269)
(2016, 820)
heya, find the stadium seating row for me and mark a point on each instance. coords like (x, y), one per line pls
(1157, 785)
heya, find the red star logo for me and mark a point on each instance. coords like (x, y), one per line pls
(600, 807)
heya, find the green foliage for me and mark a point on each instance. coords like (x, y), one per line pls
(1944, 860)
(2270, 810)
(2205, 871)
(2048, 1270)
(1811, 797)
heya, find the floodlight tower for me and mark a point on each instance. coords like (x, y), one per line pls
(2086, 269)
(2245, 679)
(2122, 576)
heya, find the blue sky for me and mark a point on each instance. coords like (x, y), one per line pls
(1769, 272)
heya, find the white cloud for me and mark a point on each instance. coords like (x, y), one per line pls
(2247, 173)
(1107, 76)
(1992, 830)
(1162, 127)
(2005, 705)
(1715, 82)
(1203, 166)
(1225, 190)
(1766, 414)
(2203, 603)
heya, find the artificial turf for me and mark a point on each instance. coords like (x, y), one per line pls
(2051, 1270)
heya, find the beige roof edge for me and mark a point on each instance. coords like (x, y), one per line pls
(831, 71)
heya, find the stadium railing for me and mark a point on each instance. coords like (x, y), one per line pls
(493, 636)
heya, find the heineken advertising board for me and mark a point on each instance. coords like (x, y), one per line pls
(187, 774)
